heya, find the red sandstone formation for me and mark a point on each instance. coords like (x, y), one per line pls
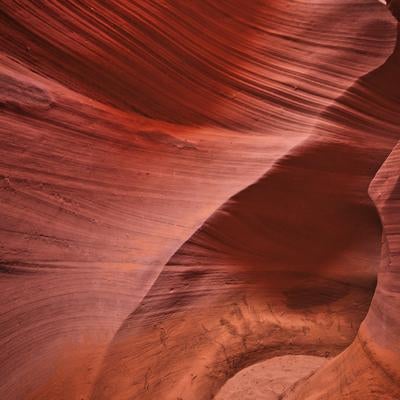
(269, 379)
(184, 193)
(370, 367)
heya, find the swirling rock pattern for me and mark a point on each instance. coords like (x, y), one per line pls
(373, 357)
(184, 192)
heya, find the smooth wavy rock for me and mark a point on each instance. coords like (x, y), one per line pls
(369, 368)
(184, 191)
(286, 266)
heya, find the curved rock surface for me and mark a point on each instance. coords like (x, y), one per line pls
(184, 193)
(268, 379)
(369, 368)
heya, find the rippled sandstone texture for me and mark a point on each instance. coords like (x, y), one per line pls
(184, 193)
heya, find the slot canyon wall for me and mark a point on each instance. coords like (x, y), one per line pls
(189, 188)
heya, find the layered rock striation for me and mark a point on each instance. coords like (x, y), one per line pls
(184, 193)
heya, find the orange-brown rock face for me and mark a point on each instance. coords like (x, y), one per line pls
(369, 368)
(185, 191)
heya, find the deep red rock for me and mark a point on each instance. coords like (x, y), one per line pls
(184, 192)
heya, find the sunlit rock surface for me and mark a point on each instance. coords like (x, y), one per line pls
(188, 188)
(269, 379)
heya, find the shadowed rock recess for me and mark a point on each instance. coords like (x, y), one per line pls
(199, 199)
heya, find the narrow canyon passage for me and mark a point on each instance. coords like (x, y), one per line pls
(185, 192)
(286, 266)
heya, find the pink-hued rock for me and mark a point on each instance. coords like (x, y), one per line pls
(369, 368)
(267, 380)
(184, 193)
